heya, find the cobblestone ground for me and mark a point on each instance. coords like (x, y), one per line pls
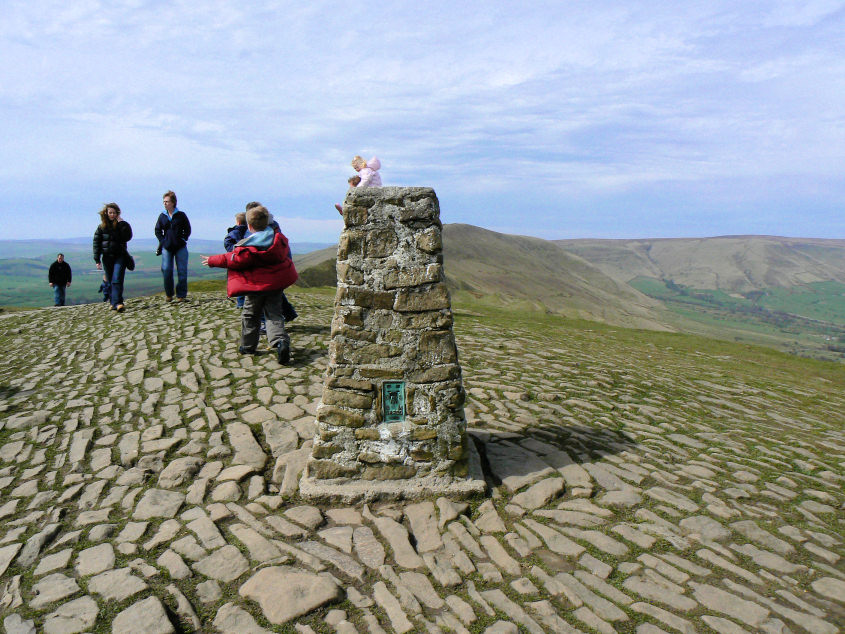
(149, 484)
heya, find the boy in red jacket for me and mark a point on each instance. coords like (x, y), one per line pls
(260, 268)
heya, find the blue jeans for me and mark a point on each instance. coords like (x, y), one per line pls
(181, 259)
(59, 294)
(115, 268)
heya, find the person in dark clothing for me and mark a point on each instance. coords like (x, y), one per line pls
(59, 277)
(233, 236)
(110, 253)
(173, 230)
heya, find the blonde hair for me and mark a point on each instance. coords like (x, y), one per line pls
(104, 215)
(240, 218)
(358, 162)
(258, 218)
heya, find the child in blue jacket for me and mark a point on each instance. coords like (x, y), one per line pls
(233, 236)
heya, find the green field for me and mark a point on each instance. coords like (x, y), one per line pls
(807, 320)
(23, 281)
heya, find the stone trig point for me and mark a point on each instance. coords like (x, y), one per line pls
(391, 421)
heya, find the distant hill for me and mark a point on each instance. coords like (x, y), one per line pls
(737, 264)
(785, 292)
(514, 269)
(539, 273)
(788, 293)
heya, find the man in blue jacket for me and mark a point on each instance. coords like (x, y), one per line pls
(173, 230)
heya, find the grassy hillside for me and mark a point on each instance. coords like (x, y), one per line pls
(521, 269)
(23, 281)
(646, 283)
(24, 265)
(520, 272)
(738, 264)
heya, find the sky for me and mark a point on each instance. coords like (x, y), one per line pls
(556, 119)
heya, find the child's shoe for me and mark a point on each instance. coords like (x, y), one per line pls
(283, 352)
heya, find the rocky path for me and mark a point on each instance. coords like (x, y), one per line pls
(150, 476)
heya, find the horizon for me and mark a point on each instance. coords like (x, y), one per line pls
(85, 239)
(560, 121)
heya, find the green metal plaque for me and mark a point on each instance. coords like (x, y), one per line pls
(393, 400)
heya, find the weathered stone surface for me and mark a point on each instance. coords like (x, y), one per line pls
(7, 554)
(392, 321)
(424, 526)
(707, 527)
(14, 624)
(158, 503)
(756, 450)
(247, 449)
(52, 588)
(514, 466)
(397, 537)
(831, 588)
(179, 471)
(539, 494)
(367, 548)
(95, 560)
(144, 617)
(733, 606)
(392, 608)
(280, 437)
(230, 619)
(74, 616)
(285, 593)
(224, 564)
(116, 585)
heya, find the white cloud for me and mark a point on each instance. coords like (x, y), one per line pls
(629, 101)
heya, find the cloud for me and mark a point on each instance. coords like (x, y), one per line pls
(632, 104)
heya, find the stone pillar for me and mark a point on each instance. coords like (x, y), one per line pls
(391, 422)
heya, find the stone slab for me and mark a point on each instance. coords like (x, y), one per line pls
(349, 491)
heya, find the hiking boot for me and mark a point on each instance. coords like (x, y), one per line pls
(169, 298)
(283, 352)
(120, 308)
(243, 350)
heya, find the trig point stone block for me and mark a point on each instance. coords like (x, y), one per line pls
(391, 422)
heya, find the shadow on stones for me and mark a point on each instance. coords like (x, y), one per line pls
(8, 391)
(520, 454)
(309, 329)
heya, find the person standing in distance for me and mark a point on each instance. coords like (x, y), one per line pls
(59, 277)
(173, 230)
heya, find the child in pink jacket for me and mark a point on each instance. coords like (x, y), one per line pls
(367, 176)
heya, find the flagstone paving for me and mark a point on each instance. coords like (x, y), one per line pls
(149, 483)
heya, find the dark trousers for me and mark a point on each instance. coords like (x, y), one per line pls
(269, 304)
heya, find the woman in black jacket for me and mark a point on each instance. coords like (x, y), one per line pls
(110, 253)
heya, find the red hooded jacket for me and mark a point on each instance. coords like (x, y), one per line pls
(252, 269)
